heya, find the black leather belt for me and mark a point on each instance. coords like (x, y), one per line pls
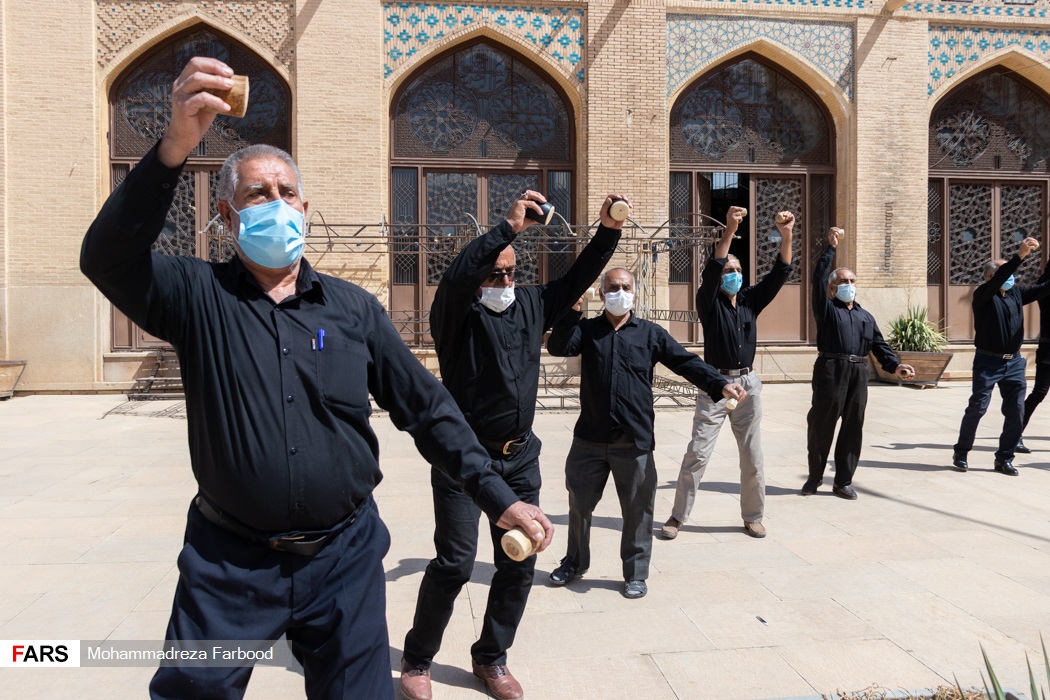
(998, 355)
(306, 544)
(507, 448)
(843, 356)
(735, 372)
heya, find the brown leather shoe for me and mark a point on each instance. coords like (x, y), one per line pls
(670, 529)
(755, 529)
(415, 682)
(499, 681)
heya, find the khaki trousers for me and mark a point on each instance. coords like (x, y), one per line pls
(707, 423)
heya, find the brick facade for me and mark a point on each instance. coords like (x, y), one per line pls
(344, 62)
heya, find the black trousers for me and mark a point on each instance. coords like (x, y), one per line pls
(456, 542)
(840, 390)
(988, 373)
(1042, 381)
(332, 607)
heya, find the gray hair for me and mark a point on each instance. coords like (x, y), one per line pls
(835, 274)
(990, 267)
(614, 269)
(230, 169)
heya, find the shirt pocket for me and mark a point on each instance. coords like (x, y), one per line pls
(342, 373)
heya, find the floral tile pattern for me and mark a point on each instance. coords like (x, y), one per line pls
(952, 48)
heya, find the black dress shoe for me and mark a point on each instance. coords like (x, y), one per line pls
(1021, 449)
(810, 487)
(1005, 466)
(846, 492)
(959, 461)
(565, 573)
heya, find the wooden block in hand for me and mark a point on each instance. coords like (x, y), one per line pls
(518, 545)
(236, 97)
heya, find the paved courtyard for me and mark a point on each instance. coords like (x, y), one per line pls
(897, 588)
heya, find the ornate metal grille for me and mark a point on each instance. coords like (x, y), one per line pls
(405, 185)
(680, 259)
(970, 231)
(771, 196)
(142, 100)
(481, 103)
(748, 112)
(220, 245)
(504, 190)
(179, 235)
(992, 122)
(559, 193)
(934, 232)
(449, 197)
(821, 208)
(1020, 216)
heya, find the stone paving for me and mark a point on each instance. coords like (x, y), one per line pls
(897, 588)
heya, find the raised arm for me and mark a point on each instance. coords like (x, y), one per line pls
(760, 295)
(563, 292)
(566, 336)
(821, 272)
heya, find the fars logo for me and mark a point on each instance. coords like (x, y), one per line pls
(33, 653)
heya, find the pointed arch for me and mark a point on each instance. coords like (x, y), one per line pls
(1028, 65)
(453, 41)
(831, 95)
(143, 45)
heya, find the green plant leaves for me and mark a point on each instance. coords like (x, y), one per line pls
(913, 332)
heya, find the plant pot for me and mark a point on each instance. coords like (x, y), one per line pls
(929, 366)
(10, 373)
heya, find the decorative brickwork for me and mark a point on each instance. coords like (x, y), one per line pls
(953, 48)
(695, 42)
(270, 23)
(555, 32)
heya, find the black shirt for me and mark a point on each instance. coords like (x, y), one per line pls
(842, 330)
(730, 332)
(1044, 309)
(616, 383)
(490, 362)
(278, 432)
(998, 319)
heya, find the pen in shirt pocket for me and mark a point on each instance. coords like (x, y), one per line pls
(320, 338)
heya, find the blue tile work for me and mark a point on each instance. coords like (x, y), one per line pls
(694, 42)
(554, 31)
(989, 8)
(953, 48)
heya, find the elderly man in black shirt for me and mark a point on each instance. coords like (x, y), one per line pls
(614, 433)
(998, 319)
(729, 316)
(488, 334)
(1042, 363)
(278, 362)
(846, 333)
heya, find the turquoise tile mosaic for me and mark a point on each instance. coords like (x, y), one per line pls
(695, 42)
(990, 8)
(556, 32)
(954, 48)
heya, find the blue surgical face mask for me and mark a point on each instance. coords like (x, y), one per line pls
(1008, 284)
(271, 234)
(731, 282)
(846, 293)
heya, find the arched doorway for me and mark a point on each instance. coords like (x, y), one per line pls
(470, 130)
(988, 178)
(140, 109)
(745, 134)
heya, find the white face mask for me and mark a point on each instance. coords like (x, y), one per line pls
(498, 299)
(619, 303)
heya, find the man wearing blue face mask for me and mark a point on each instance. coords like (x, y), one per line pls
(488, 334)
(278, 362)
(998, 321)
(614, 434)
(729, 315)
(846, 333)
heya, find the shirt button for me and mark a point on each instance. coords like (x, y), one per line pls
(290, 398)
(284, 350)
(166, 185)
(294, 450)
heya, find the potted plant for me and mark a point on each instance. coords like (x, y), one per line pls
(10, 373)
(917, 342)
